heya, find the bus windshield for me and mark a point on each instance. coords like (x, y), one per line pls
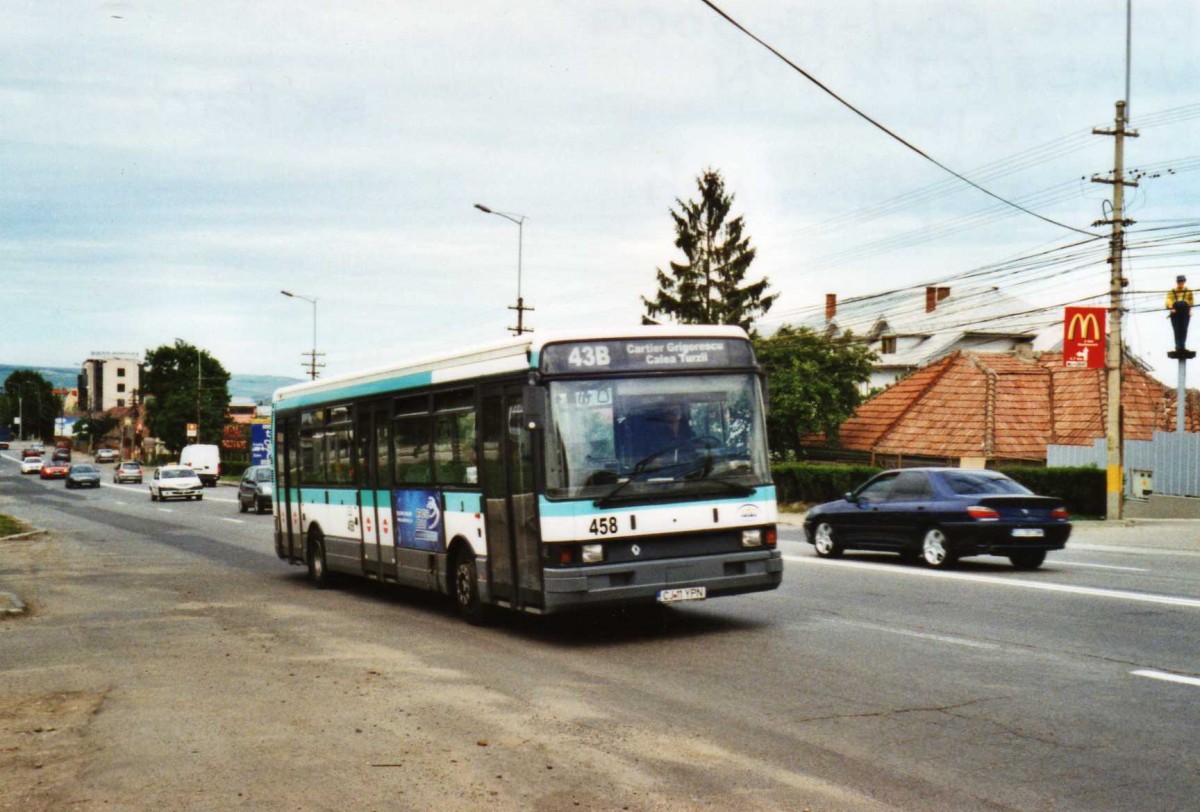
(648, 437)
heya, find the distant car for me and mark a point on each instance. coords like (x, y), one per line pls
(55, 469)
(128, 471)
(83, 475)
(30, 451)
(255, 489)
(3, 445)
(175, 482)
(61, 455)
(939, 515)
(205, 460)
(106, 455)
(31, 465)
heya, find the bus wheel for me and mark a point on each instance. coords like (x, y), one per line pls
(466, 589)
(318, 573)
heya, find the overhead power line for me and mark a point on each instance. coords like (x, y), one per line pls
(883, 128)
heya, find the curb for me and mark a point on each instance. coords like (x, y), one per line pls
(25, 535)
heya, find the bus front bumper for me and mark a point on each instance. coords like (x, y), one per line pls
(641, 582)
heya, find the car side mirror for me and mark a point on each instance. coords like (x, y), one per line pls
(849, 497)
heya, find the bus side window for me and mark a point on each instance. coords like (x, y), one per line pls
(411, 438)
(454, 449)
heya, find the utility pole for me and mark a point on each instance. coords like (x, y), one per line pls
(1117, 282)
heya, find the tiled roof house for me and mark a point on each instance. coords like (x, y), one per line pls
(910, 329)
(1001, 406)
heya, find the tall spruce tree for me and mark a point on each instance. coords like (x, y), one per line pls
(709, 288)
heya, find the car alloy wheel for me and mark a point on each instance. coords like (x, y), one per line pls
(824, 542)
(934, 550)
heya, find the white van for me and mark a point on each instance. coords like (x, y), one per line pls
(205, 460)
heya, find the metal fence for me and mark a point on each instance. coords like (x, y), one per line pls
(1172, 460)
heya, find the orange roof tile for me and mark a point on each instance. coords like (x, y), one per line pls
(997, 405)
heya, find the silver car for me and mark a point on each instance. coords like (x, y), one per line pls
(175, 482)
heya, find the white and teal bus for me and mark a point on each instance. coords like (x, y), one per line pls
(540, 474)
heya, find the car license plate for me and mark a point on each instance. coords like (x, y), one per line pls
(691, 593)
(1028, 533)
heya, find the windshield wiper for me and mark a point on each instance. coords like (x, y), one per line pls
(697, 473)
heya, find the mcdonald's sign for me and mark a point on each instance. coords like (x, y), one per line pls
(1083, 337)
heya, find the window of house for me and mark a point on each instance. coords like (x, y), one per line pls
(120, 402)
(887, 345)
(120, 387)
(120, 372)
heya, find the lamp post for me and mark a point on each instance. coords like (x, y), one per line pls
(312, 360)
(519, 219)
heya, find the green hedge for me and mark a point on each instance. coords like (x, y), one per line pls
(1084, 490)
(233, 467)
(806, 482)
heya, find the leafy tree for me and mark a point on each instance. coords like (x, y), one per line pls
(179, 380)
(91, 430)
(31, 397)
(709, 288)
(814, 383)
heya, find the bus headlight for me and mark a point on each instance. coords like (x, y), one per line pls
(751, 538)
(593, 553)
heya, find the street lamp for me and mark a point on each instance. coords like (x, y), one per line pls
(519, 219)
(312, 361)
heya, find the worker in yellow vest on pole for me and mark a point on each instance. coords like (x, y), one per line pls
(1179, 302)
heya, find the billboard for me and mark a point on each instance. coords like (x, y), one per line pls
(260, 443)
(1083, 337)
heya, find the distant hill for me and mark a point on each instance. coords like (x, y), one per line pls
(258, 388)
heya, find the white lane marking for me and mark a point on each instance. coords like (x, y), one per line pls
(940, 638)
(1165, 677)
(1057, 563)
(235, 521)
(1094, 592)
(165, 510)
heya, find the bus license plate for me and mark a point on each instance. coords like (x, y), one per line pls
(1028, 533)
(691, 593)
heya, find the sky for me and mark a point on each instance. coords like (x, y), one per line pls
(168, 168)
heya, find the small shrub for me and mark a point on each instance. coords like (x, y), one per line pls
(810, 483)
(1083, 489)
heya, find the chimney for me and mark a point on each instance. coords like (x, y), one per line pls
(830, 306)
(933, 296)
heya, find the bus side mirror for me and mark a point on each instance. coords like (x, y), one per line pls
(535, 405)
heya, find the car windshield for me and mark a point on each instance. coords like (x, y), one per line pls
(655, 436)
(83, 469)
(971, 483)
(262, 475)
(130, 466)
(177, 473)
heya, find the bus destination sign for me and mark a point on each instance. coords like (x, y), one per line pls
(646, 355)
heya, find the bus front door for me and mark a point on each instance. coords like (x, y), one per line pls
(510, 500)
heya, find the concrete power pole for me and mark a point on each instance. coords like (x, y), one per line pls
(1117, 282)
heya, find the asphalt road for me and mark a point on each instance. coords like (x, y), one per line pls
(862, 683)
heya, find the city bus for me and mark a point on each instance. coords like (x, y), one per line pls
(538, 474)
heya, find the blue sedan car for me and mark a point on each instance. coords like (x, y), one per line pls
(939, 515)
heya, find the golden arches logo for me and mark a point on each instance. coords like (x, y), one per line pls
(1082, 321)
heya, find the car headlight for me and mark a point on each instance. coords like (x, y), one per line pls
(593, 553)
(264, 490)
